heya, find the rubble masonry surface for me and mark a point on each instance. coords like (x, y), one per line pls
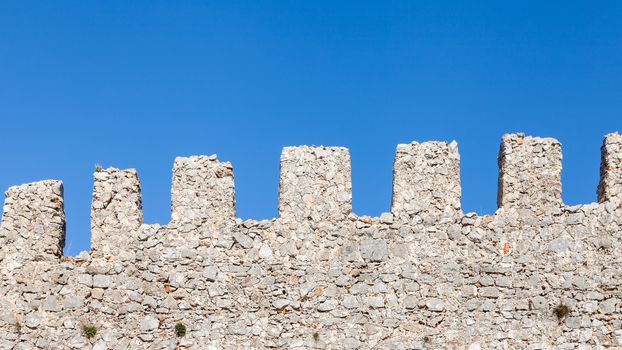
(424, 276)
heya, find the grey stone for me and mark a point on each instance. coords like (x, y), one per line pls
(281, 303)
(265, 252)
(573, 322)
(539, 303)
(434, 304)
(149, 323)
(210, 273)
(342, 280)
(100, 345)
(351, 343)
(307, 287)
(85, 279)
(374, 250)
(359, 288)
(489, 292)
(176, 279)
(386, 218)
(503, 281)
(102, 281)
(609, 306)
(375, 302)
(73, 302)
(350, 302)
(558, 245)
(410, 302)
(593, 295)
(33, 319)
(243, 240)
(328, 305)
(51, 304)
(239, 328)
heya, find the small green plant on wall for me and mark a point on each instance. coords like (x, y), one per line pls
(180, 329)
(561, 311)
(89, 331)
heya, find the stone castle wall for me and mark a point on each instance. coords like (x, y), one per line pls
(425, 276)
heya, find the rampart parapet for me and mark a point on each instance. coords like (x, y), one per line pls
(202, 193)
(529, 172)
(315, 184)
(610, 185)
(537, 274)
(116, 209)
(33, 221)
(426, 182)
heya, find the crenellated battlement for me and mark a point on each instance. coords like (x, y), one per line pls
(116, 208)
(202, 192)
(315, 185)
(424, 276)
(426, 182)
(610, 185)
(529, 172)
(33, 222)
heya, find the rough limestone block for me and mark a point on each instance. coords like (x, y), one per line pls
(203, 192)
(610, 185)
(116, 209)
(33, 221)
(426, 181)
(529, 172)
(315, 184)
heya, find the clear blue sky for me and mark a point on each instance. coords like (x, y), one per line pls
(134, 84)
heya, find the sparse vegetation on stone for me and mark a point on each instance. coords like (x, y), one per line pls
(180, 329)
(561, 311)
(89, 331)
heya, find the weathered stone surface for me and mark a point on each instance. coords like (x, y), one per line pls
(33, 221)
(315, 184)
(116, 210)
(202, 193)
(426, 181)
(243, 240)
(424, 276)
(149, 323)
(610, 185)
(529, 172)
(434, 304)
(327, 305)
(374, 250)
(102, 281)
